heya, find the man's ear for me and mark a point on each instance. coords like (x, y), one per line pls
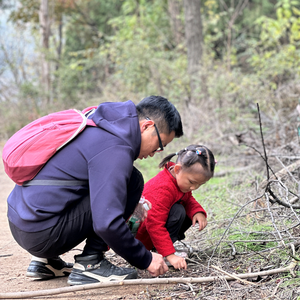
(145, 124)
(177, 168)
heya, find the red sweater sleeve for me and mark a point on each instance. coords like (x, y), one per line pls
(192, 206)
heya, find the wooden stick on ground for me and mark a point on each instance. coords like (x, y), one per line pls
(233, 276)
(24, 295)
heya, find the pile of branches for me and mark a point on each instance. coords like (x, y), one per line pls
(240, 250)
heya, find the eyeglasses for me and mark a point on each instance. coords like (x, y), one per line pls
(161, 147)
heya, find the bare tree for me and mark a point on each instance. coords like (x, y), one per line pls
(194, 43)
(234, 13)
(45, 34)
(194, 40)
(174, 8)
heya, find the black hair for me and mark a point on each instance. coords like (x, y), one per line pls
(191, 155)
(162, 112)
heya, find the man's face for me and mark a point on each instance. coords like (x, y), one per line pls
(150, 140)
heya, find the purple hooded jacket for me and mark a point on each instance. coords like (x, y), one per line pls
(104, 156)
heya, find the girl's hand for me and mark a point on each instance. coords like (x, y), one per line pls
(201, 219)
(177, 262)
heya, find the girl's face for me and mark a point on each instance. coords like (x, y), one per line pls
(190, 179)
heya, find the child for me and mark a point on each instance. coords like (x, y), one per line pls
(174, 209)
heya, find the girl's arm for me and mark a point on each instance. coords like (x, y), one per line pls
(192, 206)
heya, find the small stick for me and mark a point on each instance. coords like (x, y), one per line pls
(276, 288)
(5, 255)
(233, 276)
(263, 143)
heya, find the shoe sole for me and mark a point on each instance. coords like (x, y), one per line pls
(44, 276)
(88, 277)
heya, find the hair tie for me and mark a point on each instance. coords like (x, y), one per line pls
(176, 153)
(198, 152)
(216, 162)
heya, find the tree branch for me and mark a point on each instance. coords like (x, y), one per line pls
(22, 295)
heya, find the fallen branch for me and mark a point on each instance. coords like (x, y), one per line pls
(280, 174)
(24, 295)
(234, 276)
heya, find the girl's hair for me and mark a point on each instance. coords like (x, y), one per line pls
(191, 155)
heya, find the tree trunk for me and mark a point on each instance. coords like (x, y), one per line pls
(45, 34)
(59, 46)
(193, 33)
(174, 8)
(194, 42)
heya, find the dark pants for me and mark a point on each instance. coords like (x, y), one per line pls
(178, 222)
(74, 226)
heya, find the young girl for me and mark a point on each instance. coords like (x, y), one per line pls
(174, 209)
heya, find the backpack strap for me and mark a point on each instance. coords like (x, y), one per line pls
(88, 112)
(55, 182)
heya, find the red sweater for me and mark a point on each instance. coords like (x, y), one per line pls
(162, 191)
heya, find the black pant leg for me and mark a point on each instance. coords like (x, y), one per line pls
(72, 228)
(178, 222)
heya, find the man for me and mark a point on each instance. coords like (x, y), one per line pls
(49, 220)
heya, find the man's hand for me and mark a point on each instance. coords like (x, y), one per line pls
(158, 265)
(201, 219)
(177, 262)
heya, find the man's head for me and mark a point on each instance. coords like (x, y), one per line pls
(160, 122)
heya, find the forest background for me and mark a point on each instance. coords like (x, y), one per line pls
(231, 67)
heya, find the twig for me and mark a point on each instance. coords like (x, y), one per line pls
(288, 205)
(263, 158)
(233, 276)
(272, 219)
(282, 172)
(191, 288)
(263, 143)
(23, 295)
(235, 216)
(233, 253)
(260, 241)
(5, 255)
(276, 288)
(287, 170)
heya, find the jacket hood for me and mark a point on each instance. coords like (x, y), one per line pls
(120, 119)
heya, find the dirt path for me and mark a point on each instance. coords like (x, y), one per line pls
(14, 262)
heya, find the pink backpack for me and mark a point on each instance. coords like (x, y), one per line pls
(27, 151)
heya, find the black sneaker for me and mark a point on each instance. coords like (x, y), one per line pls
(48, 268)
(95, 268)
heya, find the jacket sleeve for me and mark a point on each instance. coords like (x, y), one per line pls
(162, 201)
(108, 179)
(192, 206)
